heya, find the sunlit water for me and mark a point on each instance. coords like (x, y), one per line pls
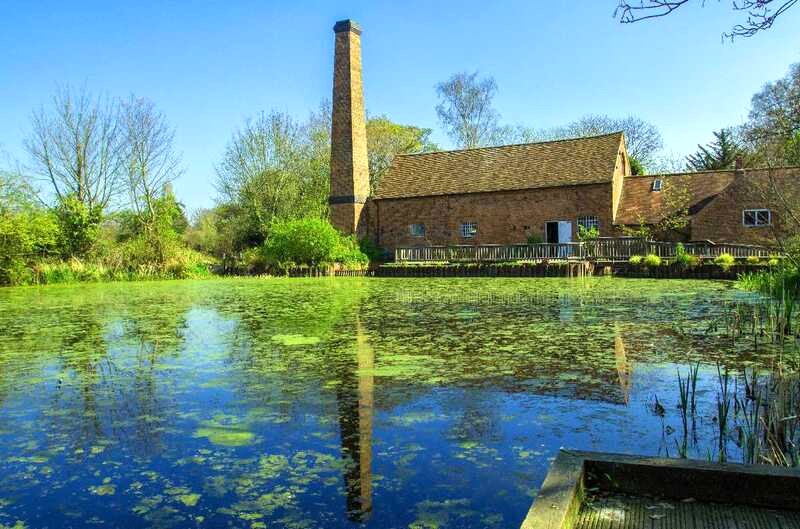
(332, 403)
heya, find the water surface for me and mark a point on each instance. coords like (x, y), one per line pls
(339, 402)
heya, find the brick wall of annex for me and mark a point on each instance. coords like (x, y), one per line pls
(503, 217)
(721, 220)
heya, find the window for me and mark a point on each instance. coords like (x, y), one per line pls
(417, 230)
(754, 218)
(469, 229)
(657, 184)
(589, 222)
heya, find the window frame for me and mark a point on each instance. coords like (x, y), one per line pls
(756, 223)
(413, 233)
(658, 185)
(588, 226)
(468, 235)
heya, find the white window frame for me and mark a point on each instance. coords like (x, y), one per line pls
(658, 184)
(468, 230)
(419, 231)
(755, 212)
(588, 221)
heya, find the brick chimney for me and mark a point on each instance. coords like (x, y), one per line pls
(349, 166)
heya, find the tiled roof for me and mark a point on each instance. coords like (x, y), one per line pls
(640, 203)
(526, 166)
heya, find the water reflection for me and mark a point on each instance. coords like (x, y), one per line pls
(342, 404)
(355, 399)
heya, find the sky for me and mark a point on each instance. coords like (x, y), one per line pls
(209, 65)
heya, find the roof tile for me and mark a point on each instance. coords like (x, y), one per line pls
(525, 166)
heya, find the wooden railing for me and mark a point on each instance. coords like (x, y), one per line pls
(603, 249)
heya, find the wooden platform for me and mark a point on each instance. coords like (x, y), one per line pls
(590, 490)
(623, 511)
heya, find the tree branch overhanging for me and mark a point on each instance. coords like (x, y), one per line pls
(760, 14)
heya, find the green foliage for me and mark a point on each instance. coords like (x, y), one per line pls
(310, 242)
(725, 261)
(25, 237)
(386, 139)
(753, 260)
(636, 166)
(535, 238)
(719, 154)
(684, 258)
(588, 234)
(79, 226)
(651, 260)
(372, 250)
(635, 260)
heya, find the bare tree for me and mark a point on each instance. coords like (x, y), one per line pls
(643, 140)
(465, 109)
(75, 147)
(149, 154)
(759, 14)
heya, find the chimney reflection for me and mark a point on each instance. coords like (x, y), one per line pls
(355, 402)
(624, 368)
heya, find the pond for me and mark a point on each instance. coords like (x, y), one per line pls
(345, 402)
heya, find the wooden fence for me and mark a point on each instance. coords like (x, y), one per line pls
(602, 249)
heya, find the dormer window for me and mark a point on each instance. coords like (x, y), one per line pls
(658, 184)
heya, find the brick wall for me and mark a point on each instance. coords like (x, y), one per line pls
(721, 220)
(503, 217)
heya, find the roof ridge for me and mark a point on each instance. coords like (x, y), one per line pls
(523, 144)
(707, 171)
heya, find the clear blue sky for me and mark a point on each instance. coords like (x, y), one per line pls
(209, 65)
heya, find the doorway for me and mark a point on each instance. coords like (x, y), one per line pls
(558, 231)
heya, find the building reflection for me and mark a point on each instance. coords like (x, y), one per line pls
(355, 399)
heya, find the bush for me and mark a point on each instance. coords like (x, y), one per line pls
(753, 260)
(773, 261)
(79, 226)
(725, 261)
(588, 234)
(635, 260)
(652, 260)
(25, 237)
(684, 258)
(310, 242)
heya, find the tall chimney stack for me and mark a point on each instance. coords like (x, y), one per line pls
(349, 166)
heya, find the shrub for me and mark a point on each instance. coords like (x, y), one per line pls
(725, 261)
(79, 225)
(753, 260)
(588, 234)
(635, 260)
(25, 237)
(684, 258)
(773, 261)
(652, 260)
(372, 250)
(310, 242)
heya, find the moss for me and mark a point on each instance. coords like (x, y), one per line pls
(106, 489)
(226, 435)
(189, 500)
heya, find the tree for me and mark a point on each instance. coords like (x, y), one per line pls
(150, 161)
(75, 147)
(274, 168)
(465, 109)
(774, 120)
(719, 154)
(759, 14)
(386, 139)
(643, 139)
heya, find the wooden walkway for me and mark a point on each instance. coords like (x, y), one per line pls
(629, 512)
